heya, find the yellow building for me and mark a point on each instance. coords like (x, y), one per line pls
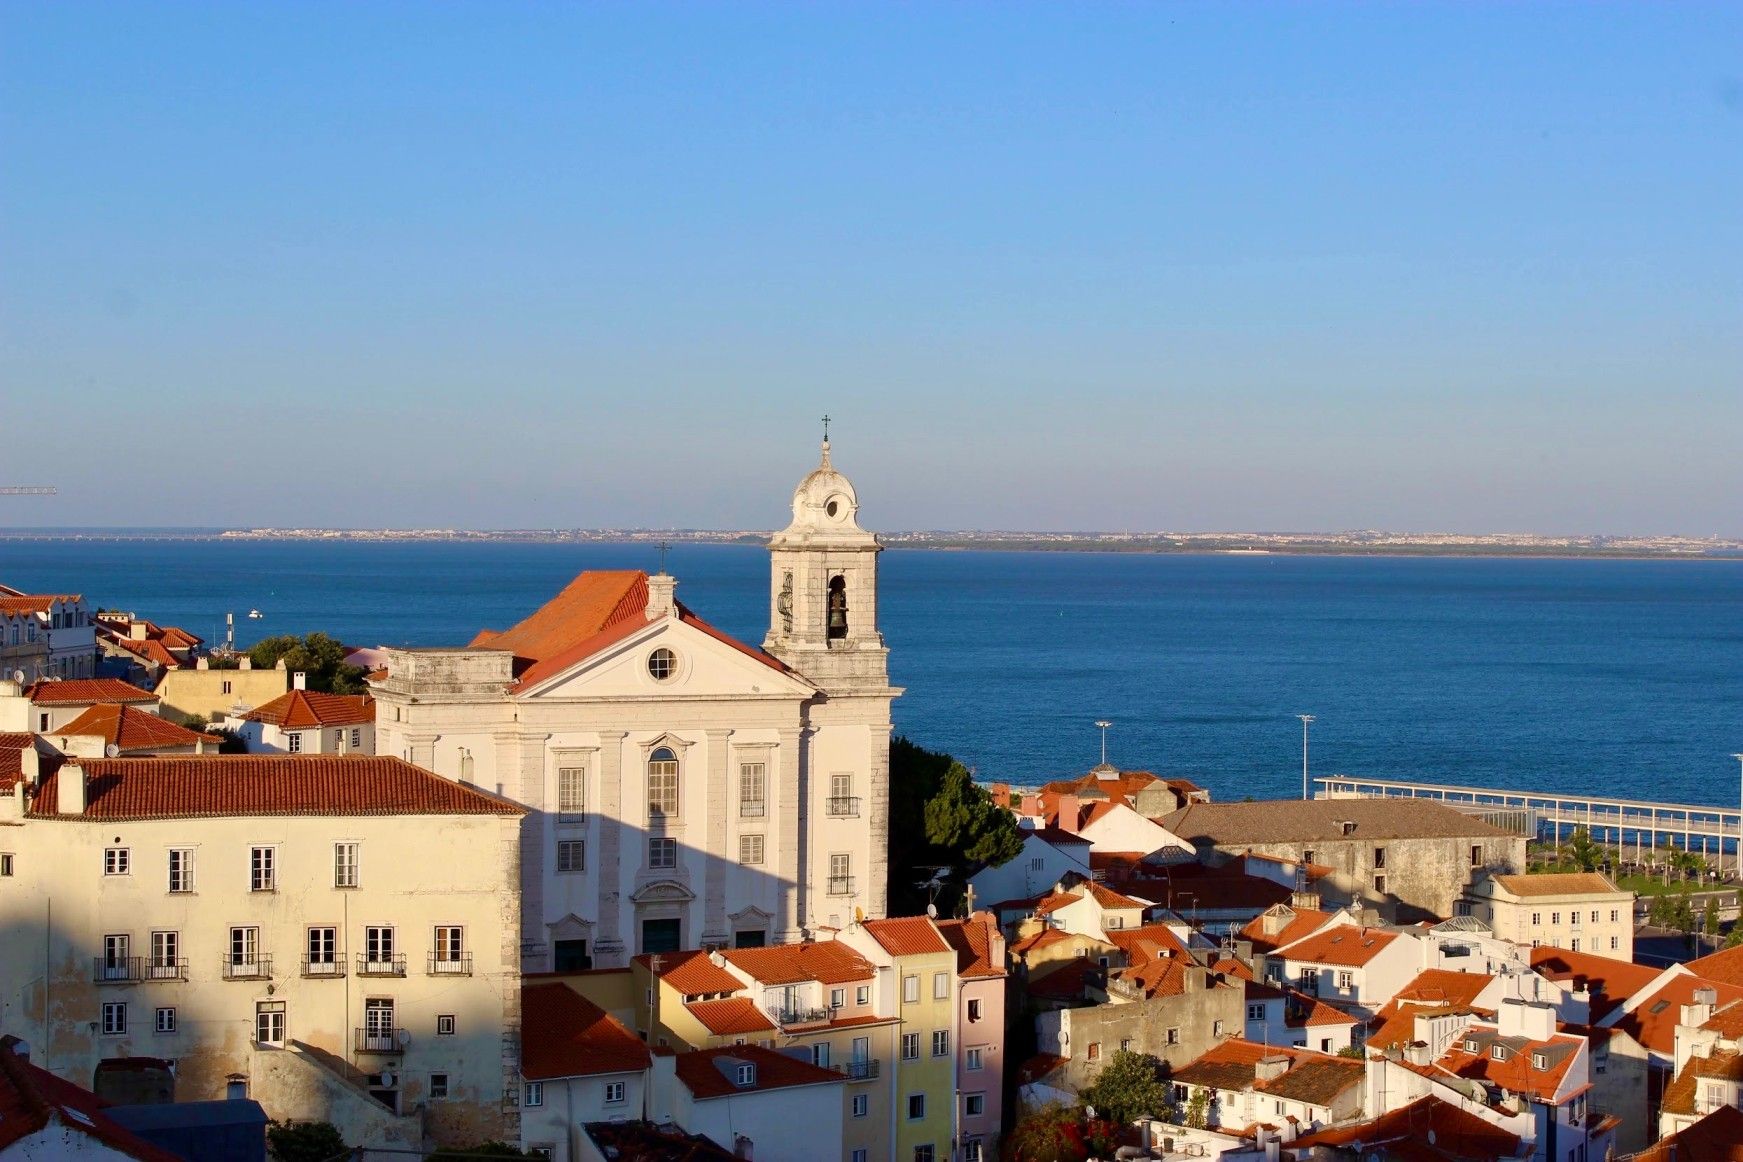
(214, 693)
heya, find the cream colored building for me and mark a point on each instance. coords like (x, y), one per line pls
(1578, 911)
(213, 693)
(302, 924)
(302, 721)
(683, 788)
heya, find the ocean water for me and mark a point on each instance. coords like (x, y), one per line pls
(1611, 677)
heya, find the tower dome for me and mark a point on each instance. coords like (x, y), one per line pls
(824, 503)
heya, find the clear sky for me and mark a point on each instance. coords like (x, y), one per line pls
(1092, 266)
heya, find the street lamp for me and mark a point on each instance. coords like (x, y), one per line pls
(1104, 723)
(1739, 758)
(1305, 719)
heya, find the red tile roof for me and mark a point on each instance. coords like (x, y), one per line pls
(1432, 990)
(1310, 1012)
(1347, 945)
(906, 935)
(35, 602)
(826, 961)
(1517, 1072)
(1611, 982)
(193, 786)
(594, 610)
(1304, 922)
(1653, 1021)
(692, 973)
(12, 748)
(1147, 942)
(566, 1035)
(296, 709)
(86, 692)
(1718, 1065)
(1041, 939)
(1725, 966)
(972, 938)
(127, 728)
(151, 649)
(30, 1097)
(1718, 1137)
(700, 1074)
(1064, 980)
(1455, 1133)
(1163, 977)
(731, 1016)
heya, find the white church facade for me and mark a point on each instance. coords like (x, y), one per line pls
(684, 788)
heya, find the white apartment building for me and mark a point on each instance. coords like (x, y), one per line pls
(1578, 911)
(45, 635)
(683, 788)
(340, 936)
(302, 721)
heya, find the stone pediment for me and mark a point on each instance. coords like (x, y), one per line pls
(663, 892)
(697, 664)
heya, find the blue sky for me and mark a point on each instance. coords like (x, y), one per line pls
(1298, 267)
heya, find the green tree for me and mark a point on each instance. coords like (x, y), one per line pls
(963, 818)
(319, 656)
(1198, 1109)
(939, 818)
(1582, 852)
(304, 1141)
(1053, 1133)
(1710, 919)
(1129, 1087)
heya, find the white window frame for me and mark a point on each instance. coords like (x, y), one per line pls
(572, 790)
(117, 861)
(861, 1105)
(165, 1019)
(114, 1018)
(971, 1060)
(263, 868)
(614, 1093)
(752, 790)
(533, 1094)
(911, 989)
(181, 870)
(571, 856)
(941, 1042)
(667, 848)
(347, 863)
(940, 986)
(751, 849)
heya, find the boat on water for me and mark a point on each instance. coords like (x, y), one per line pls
(255, 614)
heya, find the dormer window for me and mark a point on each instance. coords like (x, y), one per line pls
(1470, 1045)
(1498, 1052)
(745, 1076)
(1348, 827)
(1539, 1061)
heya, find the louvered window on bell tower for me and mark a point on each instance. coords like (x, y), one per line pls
(837, 607)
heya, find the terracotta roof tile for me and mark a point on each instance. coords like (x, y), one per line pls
(128, 728)
(86, 692)
(1163, 977)
(1432, 988)
(1040, 939)
(826, 961)
(12, 748)
(692, 973)
(1517, 1072)
(906, 935)
(1302, 922)
(972, 939)
(1557, 884)
(1611, 982)
(731, 1015)
(1064, 980)
(1146, 942)
(702, 1076)
(35, 602)
(1725, 966)
(151, 649)
(1652, 1021)
(192, 786)
(1456, 1134)
(1290, 821)
(309, 708)
(1718, 1137)
(567, 1035)
(1346, 944)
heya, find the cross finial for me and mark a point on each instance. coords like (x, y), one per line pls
(826, 429)
(664, 547)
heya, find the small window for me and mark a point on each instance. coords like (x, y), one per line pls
(269, 1024)
(862, 995)
(1379, 885)
(916, 1107)
(613, 1093)
(750, 849)
(837, 998)
(662, 853)
(1173, 1037)
(356, 736)
(861, 1105)
(971, 1059)
(5, 863)
(1256, 1012)
(293, 743)
(227, 687)
(345, 865)
(1498, 1052)
(940, 1042)
(910, 1046)
(1037, 863)
(533, 1094)
(262, 869)
(745, 1076)
(1346, 980)
(1216, 1028)
(911, 989)
(973, 1010)
(445, 1025)
(1539, 1061)
(181, 869)
(662, 664)
(1555, 917)
(571, 856)
(973, 1105)
(572, 790)
(1536, 919)
(940, 986)
(1379, 858)
(1094, 1051)
(751, 803)
(1477, 855)
(166, 1020)
(116, 861)
(114, 1018)
(438, 1086)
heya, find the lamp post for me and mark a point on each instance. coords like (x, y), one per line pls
(1305, 719)
(1739, 758)
(1104, 723)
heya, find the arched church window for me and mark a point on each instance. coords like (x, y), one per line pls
(838, 606)
(662, 782)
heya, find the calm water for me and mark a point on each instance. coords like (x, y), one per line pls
(1614, 677)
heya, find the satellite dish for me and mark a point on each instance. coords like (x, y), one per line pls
(932, 911)
(18, 676)
(386, 1078)
(111, 750)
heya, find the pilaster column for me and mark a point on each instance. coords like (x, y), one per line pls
(791, 815)
(878, 802)
(608, 947)
(422, 745)
(528, 784)
(716, 858)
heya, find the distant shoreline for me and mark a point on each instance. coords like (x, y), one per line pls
(1190, 544)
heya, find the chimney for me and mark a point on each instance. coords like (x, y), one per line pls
(1068, 808)
(1031, 806)
(1275, 920)
(1270, 1068)
(247, 663)
(1416, 1053)
(136, 631)
(29, 765)
(1701, 1011)
(70, 797)
(662, 601)
(202, 664)
(299, 681)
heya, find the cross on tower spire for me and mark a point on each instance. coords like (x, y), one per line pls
(664, 547)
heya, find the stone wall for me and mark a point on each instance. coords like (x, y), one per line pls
(1194, 1016)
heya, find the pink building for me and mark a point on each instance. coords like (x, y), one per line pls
(980, 1047)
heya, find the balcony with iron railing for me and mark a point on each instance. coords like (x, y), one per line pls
(790, 1018)
(166, 968)
(379, 1040)
(858, 1070)
(368, 965)
(450, 965)
(117, 969)
(250, 968)
(334, 968)
(841, 885)
(844, 806)
(750, 810)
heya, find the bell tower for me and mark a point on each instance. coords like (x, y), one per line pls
(823, 587)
